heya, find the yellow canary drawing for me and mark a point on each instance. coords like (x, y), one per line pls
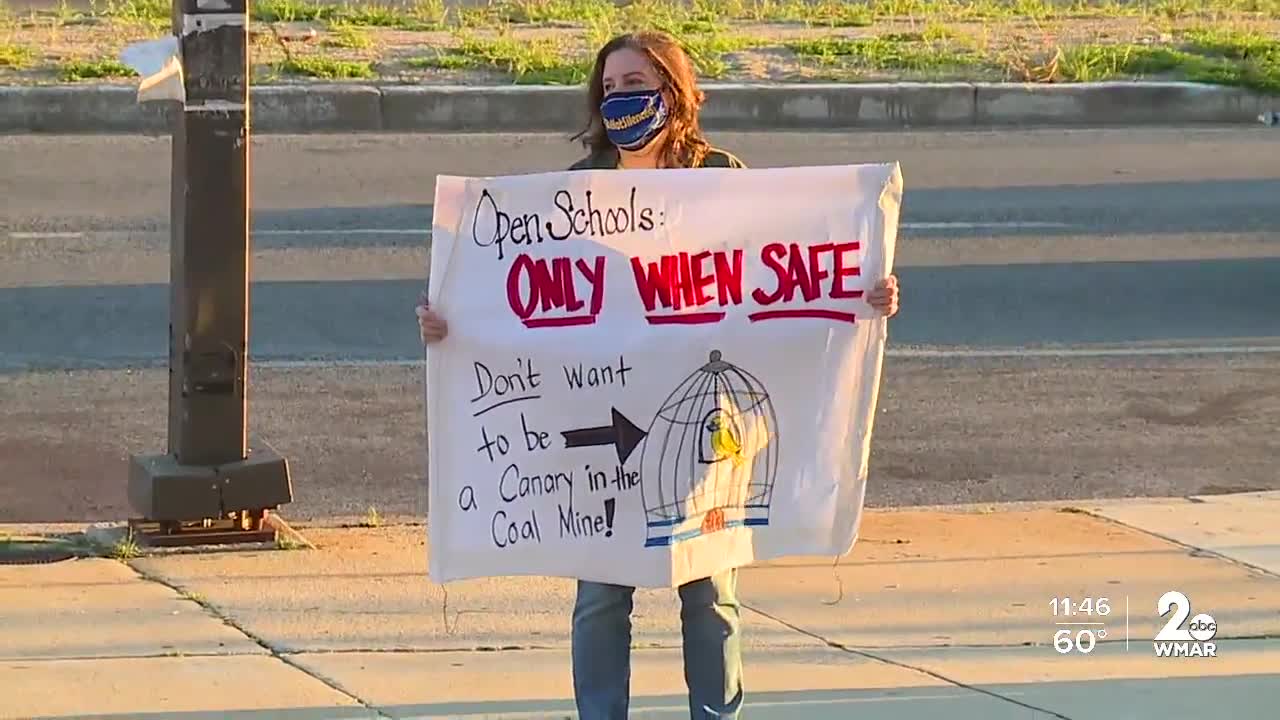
(723, 443)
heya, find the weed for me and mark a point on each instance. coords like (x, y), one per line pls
(1234, 45)
(540, 61)
(935, 32)
(293, 11)
(345, 35)
(833, 13)
(77, 70)
(327, 68)
(560, 12)
(1248, 61)
(126, 548)
(424, 15)
(885, 53)
(708, 51)
(154, 14)
(443, 61)
(372, 518)
(1094, 63)
(15, 56)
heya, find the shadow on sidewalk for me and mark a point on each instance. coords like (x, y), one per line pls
(783, 703)
(1244, 697)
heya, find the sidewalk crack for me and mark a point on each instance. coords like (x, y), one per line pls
(1192, 550)
(906, 666)
(275, 653)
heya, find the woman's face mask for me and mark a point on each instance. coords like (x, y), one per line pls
(633, 119)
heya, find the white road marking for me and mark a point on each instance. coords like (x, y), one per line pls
(981, 225)
(959, 354)
(347, 231)
(45, 235)
(905, 225)
(1086, 352)
(302, 232)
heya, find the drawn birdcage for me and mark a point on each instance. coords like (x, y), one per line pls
(710, 455)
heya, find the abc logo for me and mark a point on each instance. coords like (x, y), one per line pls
(1202, 627)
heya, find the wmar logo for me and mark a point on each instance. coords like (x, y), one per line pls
(1174, 640)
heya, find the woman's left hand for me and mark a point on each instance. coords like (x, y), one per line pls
(884, 298)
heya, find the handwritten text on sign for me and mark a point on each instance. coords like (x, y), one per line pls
(662, 433)
(551, 291)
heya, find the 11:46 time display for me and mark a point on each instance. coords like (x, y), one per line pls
(1087, 606)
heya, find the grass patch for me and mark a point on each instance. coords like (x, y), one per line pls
(154, 14)
(553, 12)
(349, 36)
(708, 50)
(77, 70)
(538, 62)
(886, 53)
(15, 56)
(327, 68)
(443, 61)
(1234, 45)
(930, 39)
(832, 13)
(682, 16)
(1242, 60)
(421, 15)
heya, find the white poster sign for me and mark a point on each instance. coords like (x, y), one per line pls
(652, 376)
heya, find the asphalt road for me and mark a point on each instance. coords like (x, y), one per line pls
(1154, 236)
(1069, 243)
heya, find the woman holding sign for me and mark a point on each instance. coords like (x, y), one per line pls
(644, 101)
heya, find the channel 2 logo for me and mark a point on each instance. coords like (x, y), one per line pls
(1174, 640)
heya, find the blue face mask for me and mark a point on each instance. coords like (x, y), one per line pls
(633, 119)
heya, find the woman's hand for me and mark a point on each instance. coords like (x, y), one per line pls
(431, 326)
(884, 298)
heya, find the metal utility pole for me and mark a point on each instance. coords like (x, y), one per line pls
(212, 485)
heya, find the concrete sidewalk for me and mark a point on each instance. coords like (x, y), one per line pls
(942, 610)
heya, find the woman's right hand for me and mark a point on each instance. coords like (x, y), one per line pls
(431, 326)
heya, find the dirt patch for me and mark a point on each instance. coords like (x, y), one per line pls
(994, 41)
(947, 432)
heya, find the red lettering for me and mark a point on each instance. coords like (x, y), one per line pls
(842, 271)
(808, 271)
(655, 284)
(595, 277)
(770, 255)
(685, 283)
(698, 281)
(729, 278)
(816, 271)
(678, 281)
(544, 286)
(522, 266)
(557, 286)
(798, 276)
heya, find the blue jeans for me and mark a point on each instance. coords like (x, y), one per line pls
(710, 624)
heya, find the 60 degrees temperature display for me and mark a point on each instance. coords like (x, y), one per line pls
(1084, 624)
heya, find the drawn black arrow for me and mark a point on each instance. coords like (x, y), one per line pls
(622, 434)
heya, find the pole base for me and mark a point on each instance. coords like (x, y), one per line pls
(163, 490)
(246, 527)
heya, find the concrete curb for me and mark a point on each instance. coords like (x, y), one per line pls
(346, 108)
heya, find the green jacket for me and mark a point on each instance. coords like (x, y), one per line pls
(608, 160)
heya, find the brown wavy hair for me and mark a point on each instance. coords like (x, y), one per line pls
(683, 145)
